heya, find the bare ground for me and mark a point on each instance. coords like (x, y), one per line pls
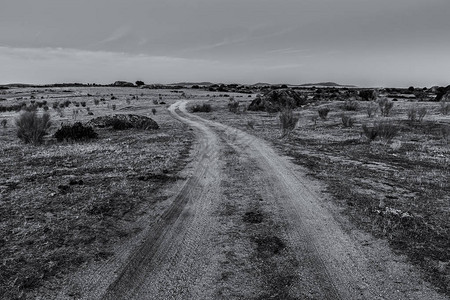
(248, 224)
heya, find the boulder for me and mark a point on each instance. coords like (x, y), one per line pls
(124, 122)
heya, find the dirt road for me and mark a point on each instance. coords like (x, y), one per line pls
(248, 224)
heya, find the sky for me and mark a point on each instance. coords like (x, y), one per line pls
(360, 42)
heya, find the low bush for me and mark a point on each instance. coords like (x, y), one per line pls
(323, 112)
(412, 114)
(16, 107)
(75, 132)
(351, 105)
(371, 109)
(347, 121)
(445, 107)
(416, 114)
(205, 107)
(384, 130)
(233, 106)
(370, 132)
(31, 128)
(422, 113)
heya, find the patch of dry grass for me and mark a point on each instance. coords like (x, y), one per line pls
(396, 188)
(64, 205)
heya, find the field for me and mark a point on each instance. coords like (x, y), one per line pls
(398, 189)
(67, 205)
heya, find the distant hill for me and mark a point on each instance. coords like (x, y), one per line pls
(326, 84)
(193, 83)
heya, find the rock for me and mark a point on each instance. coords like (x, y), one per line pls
(274, 100)
(125, 121)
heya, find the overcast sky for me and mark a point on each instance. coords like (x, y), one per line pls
(361, 42)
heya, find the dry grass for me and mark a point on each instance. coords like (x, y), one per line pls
(64, 205)
(396, 188)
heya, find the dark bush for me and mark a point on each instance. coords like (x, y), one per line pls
(205, 107)
(351, 105)
(347, 121)
(75, 132)
(323, 112)
(368, 95)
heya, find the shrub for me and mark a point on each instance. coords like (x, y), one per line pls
(154, 111)
(205, 107)
(55, 105)
(445, 107)
(368, 94)
(83, 103)
(113, 107)
(75, 132)
(371, 109)
(155, 101)
(46, 108)
(347, 121)
(251, 124)
(385, 106)
(31, 128)
(4, 122)
(96, 101)
(323, 112)
(370, 132)
(412, 114)
(287, 121)
(351, 105)
(233, 106)
(422, 113)
(385, 130)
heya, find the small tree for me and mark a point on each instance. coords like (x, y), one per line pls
(31, 128)
(140, 83)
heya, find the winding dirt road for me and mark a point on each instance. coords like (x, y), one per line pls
(248, 224)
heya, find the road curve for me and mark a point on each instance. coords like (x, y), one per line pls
(247, 224)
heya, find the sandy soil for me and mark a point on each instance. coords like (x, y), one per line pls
(248, 224)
